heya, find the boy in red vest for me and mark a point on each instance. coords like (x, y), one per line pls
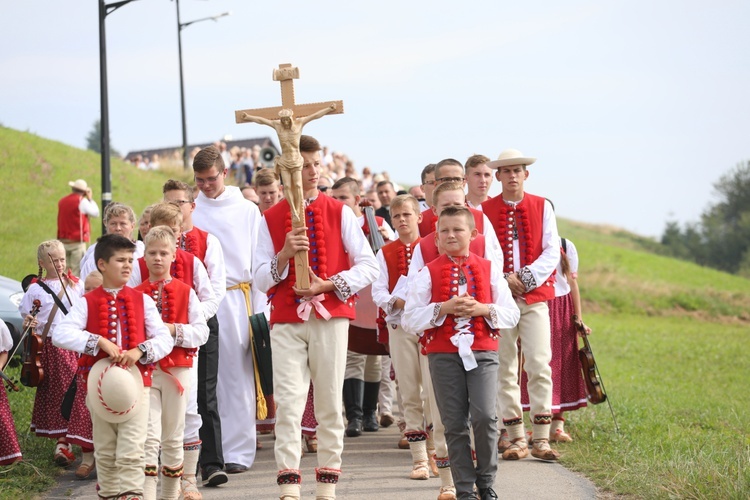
(526, 226)
(182, 313)
(203, 434)
(459, 301)
(309, 328)
(118, 322)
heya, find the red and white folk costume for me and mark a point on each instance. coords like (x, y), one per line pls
(59, 365)
(527, 231)
(235, 222)
(429, 222)
(10, 452)
(172, 382)
(129, 319)
(309, 337)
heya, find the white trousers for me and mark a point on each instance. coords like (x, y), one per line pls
(166, 417)
(363, 367)
(315, 349)
(533, 330)
(193, 420)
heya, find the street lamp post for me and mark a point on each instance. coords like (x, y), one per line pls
(180, 27)
(104, 10)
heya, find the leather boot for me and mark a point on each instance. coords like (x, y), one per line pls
(353, 394)
(370, 407)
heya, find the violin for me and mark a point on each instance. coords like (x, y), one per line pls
(594, 383)
(374, 237)
(32, 372)
(8, 382)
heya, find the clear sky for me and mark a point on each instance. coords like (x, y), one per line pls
(633, 108)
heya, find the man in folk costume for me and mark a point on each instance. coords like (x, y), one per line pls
(363, 371)
(234, 221)
(527, 229)
(206, 441)
(73, 226)
(309, 332)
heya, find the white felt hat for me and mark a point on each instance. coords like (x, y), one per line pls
(116, 391)
(511, 157)
(79, 184)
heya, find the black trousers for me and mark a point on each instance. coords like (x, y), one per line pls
(208, 408)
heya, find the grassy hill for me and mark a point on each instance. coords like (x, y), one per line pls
(671, 339)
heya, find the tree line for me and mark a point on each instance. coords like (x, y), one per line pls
(721, 238)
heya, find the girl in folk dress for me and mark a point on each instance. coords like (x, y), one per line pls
(568, 386)
(59, 365)
(10, 452)
(80, 428)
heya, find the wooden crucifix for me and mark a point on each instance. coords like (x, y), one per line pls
(288, 120)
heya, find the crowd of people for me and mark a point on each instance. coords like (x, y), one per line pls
(441, 310)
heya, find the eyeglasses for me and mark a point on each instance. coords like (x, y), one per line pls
(322, 189)
(429, 183)
(180, 202)
(450, 179)
(209, 180)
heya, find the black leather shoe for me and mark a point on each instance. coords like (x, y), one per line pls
(354, 427)
(487, 494)
(235, 468)
(212, 475)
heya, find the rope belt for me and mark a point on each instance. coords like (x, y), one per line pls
(261, 410)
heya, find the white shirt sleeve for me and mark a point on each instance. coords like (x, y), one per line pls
(380, 294)
(204, 290)
(88, 207)
(492, 250)
(504, 312)
(217, 271)
(195, 333)
(542, 267)
(365, 268)
(390, 234)
(87, 262)
(420, 313)
(71, 333)
(572, 253)
(6, 340)
(263, 278)
(158, 342)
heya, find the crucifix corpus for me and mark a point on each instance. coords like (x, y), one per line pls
(288, 120)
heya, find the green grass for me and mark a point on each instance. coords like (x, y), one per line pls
(671, 340)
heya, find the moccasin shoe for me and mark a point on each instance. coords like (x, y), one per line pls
(542, 451)
(560, 436)
(517, 450)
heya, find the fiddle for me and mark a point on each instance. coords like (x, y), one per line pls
(592, 377)
(8, 382)
(32, 372)
(373, 237)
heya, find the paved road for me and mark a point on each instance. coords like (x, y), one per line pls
(374, 468)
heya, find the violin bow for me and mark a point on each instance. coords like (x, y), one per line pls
(582, 330)
(59, 276)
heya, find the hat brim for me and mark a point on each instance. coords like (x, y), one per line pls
(511, 161)
(96, 405)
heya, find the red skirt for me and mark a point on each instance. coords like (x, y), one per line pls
(309, 424)
(268, 423)
(80, 429)
(9, 450)
(568, 386)
(59, 366)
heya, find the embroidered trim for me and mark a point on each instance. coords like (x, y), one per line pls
(192, 446)
(275, 269)
(415, 436)
(152, 471)
(341, 285)
(435, 314)
(150, 356)
(524, 274)
(494, 318)
(442, 462)
(543, 419)
(289, 476)
(91, 344)
(512, 421)
(171, 471)
(179, 335)
(326, 475)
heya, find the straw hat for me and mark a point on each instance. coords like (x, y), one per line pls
(79, 184)
(115, 391)
(511, 157)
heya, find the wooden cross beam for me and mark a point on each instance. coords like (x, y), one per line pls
(286, 74)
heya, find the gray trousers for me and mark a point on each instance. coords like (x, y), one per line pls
(461, 395)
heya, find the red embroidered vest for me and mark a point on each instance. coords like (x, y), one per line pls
(71, 223)
(129, 312)
(429, 221)
(195, 242)
(173, 306)
(528, 216)
(430, 251)
(444, 275)
(326, 257)
(181, 268)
